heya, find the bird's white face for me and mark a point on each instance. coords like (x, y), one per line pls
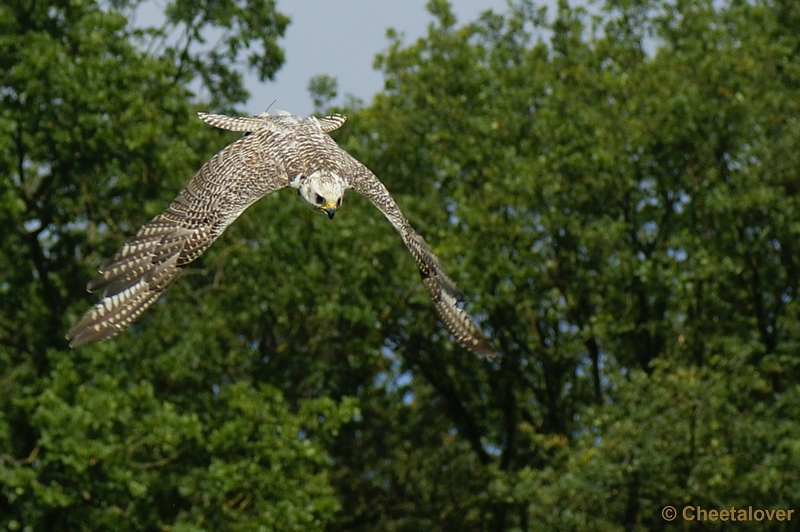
(323, 191)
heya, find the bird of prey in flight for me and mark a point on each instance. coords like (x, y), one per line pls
(275, 152)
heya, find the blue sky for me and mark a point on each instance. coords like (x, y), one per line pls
(340, 38)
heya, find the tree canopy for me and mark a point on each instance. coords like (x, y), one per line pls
(615, 190)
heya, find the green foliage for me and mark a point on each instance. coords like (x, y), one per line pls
(617, 194)
(619, 203)
(253, 25)
(322, 89)
(109, 448)
(98, 133)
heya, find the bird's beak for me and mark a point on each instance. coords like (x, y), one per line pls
(329, 209)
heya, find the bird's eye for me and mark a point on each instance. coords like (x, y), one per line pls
(338, 203)
(320, 200)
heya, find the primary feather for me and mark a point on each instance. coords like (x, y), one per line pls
(276, 152)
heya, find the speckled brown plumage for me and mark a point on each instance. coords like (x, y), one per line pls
(276, 152)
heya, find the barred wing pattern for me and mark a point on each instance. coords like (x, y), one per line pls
(440, 288)
(141, 271)
(276, 152)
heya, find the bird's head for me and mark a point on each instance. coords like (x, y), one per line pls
(323, 191)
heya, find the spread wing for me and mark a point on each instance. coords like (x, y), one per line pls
(147, 264)
(442, 290)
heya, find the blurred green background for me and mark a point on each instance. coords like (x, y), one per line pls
(615, 191)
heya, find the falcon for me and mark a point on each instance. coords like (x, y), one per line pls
(275, 152)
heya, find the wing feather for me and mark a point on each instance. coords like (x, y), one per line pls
(146, 265)
(259, 163)
(442, 290)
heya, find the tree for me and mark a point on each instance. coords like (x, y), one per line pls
(615, 193)
(619, 201)
(98, 133)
